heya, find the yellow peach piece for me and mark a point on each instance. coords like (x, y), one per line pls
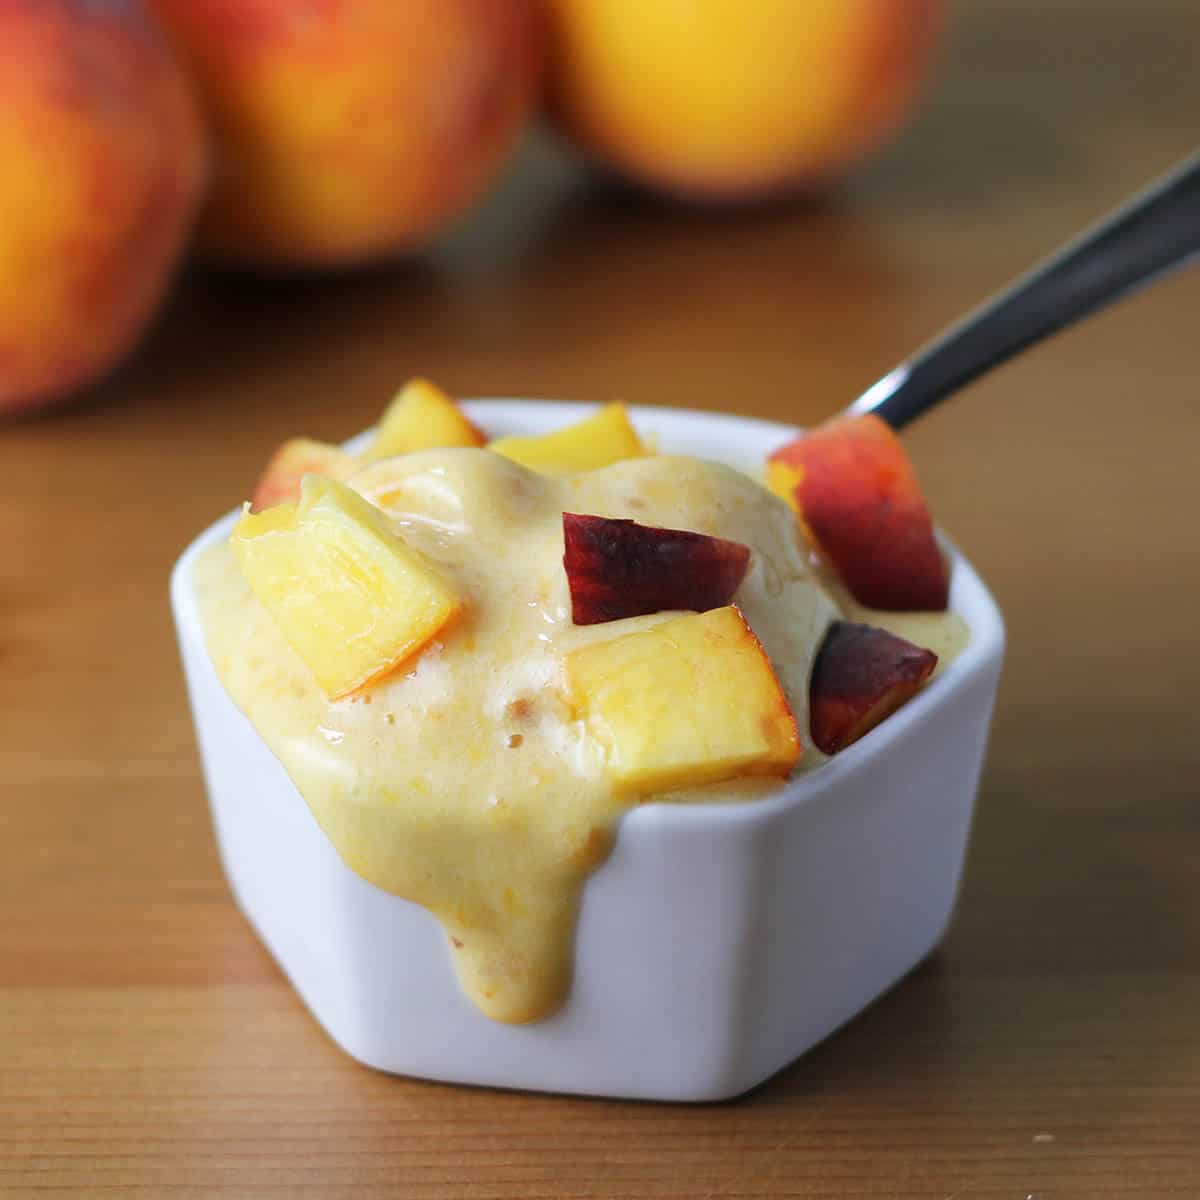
(783, 479)
(421, 417)
(297, 457)
(352, 599)
(690, 701)
(603, 438)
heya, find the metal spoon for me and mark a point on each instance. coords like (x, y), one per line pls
(1157, 230)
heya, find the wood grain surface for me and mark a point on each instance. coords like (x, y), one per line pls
(1050, 1049)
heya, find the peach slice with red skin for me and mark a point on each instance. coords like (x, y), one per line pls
(297, 457)
(858, 494)
(618, 568)
(861, 675)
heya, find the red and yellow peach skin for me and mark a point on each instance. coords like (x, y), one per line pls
(860, 677)
(280, 481)
(351, 129)
(102, 165)
(859, 498)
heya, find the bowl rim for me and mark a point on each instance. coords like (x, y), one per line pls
(969, 597)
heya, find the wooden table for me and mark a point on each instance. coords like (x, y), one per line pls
(149, 1046)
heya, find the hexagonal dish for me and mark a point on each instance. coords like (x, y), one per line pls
(715, 945)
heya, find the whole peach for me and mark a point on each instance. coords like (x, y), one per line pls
(348, 130)
(733, 99)
(102, 163)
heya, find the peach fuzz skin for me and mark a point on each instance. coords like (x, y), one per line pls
(859, 498)
(349, 130)
(103, 161)
(720, 100)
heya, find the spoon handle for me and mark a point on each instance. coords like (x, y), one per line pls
(1157, 230)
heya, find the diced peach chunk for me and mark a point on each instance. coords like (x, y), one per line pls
(421, 417)
(618, 568)
(352, 599)
(783, 479)
(297, 457)
(690, 701)
(604, 437)
(858, 494)
(861, 675)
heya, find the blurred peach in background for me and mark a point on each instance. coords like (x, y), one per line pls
(347, 130)
(102, 162)
(351, 132)
(727, 100)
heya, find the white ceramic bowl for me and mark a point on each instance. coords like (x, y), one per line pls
(715, 945)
